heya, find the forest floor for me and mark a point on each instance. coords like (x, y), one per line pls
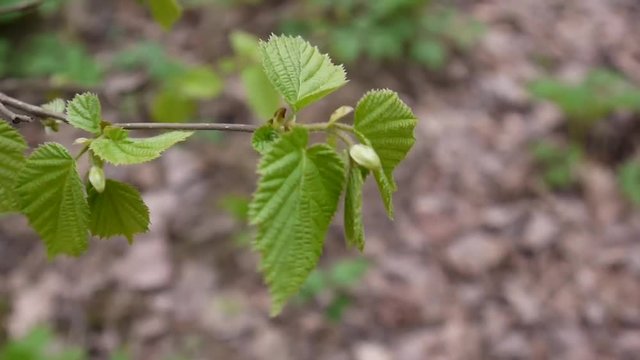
(482, 262)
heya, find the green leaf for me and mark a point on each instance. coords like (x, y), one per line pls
(299, 71)
(170, 105)
(263, 99)
(12, 148)
(297, 196)
(165, 12)
(55, 105)
(83, 112)
(53, 199)
(353, 226)
(118, 210)
(199, 83)
(120, 149)
(263, 138)
(245, 45)
(387, 124)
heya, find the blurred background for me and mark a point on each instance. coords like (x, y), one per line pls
(517, 231)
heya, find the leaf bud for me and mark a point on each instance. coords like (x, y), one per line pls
(96, 178)
(365, 156)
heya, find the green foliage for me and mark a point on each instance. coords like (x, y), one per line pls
(165, 12)
(336, 281)
(418, 30)
(299, 71)
(299, 187)
(50, 56)
(83, 112)
(12, 148)
(179, 86)
(629, 180)
(353, 225)
(600, 94)
(387, 124)
(297, 196)
(263, 138)
(52, 198)
(119, 149)
(38, 344)
(118, 210)
(558, 164)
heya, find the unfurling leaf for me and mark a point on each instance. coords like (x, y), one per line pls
(165, 12)
(297, 196)
(299, 71)
(353, 226)
(96, 178)
(53, 199)
(119, 149)
(263, 138)
(118, 210)
(12, 148)
(365, 156)
(339, 113)
(83, 112)
(386, 124)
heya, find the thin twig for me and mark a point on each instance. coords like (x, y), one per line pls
(20, 7)
(44, 113)
(15, 118)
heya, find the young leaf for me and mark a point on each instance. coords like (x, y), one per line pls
(353, 227)
(263, 138)
(118, 210)
(165, 12)
(387, 124)
(12, 147)
(297, 196)
(53, 199)
(83, 112)
(299, 71)
(122, 150)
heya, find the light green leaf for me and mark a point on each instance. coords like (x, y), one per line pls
(297, 196)
(299, 71)
(165, 12)
(263, 138)
(386, 189)
(245, 45)
(12, 148)
(170, 105)
(53, 199)
(263, 99)
(387, 124)
(199, 83)
(123, 150)
(118, 210)
(55, 105)
(83, 112)
(353, 226)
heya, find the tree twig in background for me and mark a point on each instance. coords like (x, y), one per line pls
(44, 113)
(23, 7)
(15, 118)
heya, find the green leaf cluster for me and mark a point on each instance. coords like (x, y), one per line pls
(301, 184)
(600, 94)
(179, 86)
(46, 187)
(419, 30)
(49, 56)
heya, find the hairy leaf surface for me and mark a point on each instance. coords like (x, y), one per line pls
(53, 199)
(299, 71)
(387, 124)
(83, 112)
(297, 196)
(120, 149)
(118, 210)
(12, 147)
(263, 138)
(353, 226)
